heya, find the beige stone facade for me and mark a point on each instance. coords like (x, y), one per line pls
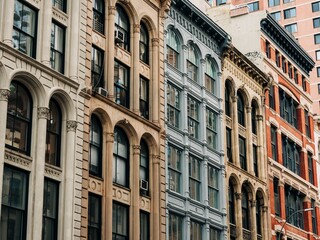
(116, 182)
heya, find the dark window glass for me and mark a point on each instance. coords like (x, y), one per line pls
(213, 186)
(193, 117)
(121, 84)
(278, 58)
(316, 6)
(318, 71)
(268, 49)
(254, 118)
(192, 63)
(53, 138)
(242, 153)
(214, 234)
(97, 60)
(310, 168)
(144, 44)
(144, 168)
(60, 4)
(175, 227)
(173, 105)
(94, 217)
(95, 165)
(24, 29)
(304, 83)
(14, 204)
(245, 209)
(284, 64)
(317, 40)
(288, 108)
(291, 155)
(227, 105)
(296, 76)
(174, 168)
(18, 130)
(289, 13)
(316, 22)
(307, 123)
(172, 48)
(229, 144)
(231, 195)
(210, 75)
(241, 113)
(144, 97)
(195, 230)
(144, 226)
(211, 128)
(287, 1)
(273, 3)
(274, 144)
(98, 16)
(194, 178)
(57, 47)
(120, 158)
(318, 88)
(122, 29)
(50, 210)
(258, 218)
(120, 222)
(294, 203)
(276, 192)
(314, 217)
(271, 98)
(220, 2)
(253, 6)
(255, 160)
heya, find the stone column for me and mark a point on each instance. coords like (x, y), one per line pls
(261, 159)
(7, 22)
(201, 73)
(74, 40)
(185, 172)
(135, 193)
(265, 227)
(204, 179)
(39, 167)
(107, 233)
(184, 110)
(219, 89)
(182, 63)
(155, 81)
(4, 94)
(238, 216)
(135, 87)
(45, 40)
(69, 180)
(110, 43)
(155, 214)
(253, 220)
(249, 148)
(235, 131)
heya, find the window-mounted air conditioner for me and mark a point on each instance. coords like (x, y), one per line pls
(144, 185)
(102, 92)
(118, 36)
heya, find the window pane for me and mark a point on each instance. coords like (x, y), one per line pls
(144, 226)
(175, 227)
(120, 217)
(289, 13)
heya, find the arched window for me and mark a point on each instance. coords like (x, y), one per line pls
(241, 116)
(245, 208)
(232, 211)
(98, 16)
(95, 167)
(122, 29)
(172, 48)
(18, 130)
(192, 63)
(254, 117)
(120, 158)
(53, 138)
(227, 105)
(210, 75)
(259, 205)
(144, 168)
(144, 44)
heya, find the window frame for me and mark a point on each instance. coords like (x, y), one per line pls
(276, 193)
(290, 28)
(97, 71)
(272, 3)
(229, 143)
(289, 13)
(95, 124)
(243, 153)
(276, 15)
(192, 65)
(122, 84)
(195, 230)
(98, 16)
(55, 52)
(144, 44)
(173, 106)
(316, 22)
(172, 48)
(241, 110)
(144, 97)
(175, 227)
(144, 172)
(122, 24)
(116, 207)
(245, 209)
(144, 221)
(274, 143)
(211, 128)
(317, 39)
(255, 160)
(310, 168)
(315, 6)
(193, 117)
(254, 6)
(94, 221)
(213, 187)
(174, 168)
(195, 178)
(307, 123)
(60, 4)
(317, 55)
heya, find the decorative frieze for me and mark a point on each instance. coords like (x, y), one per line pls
(52, 172)
(18, 159)
(121, 195)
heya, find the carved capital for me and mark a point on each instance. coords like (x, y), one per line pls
(43, 113)
(253, 203)
(136, 149)
(234, 98)
(71, 125)
(265, 209)
(110, 137)
(4, 94)
(136, 28)
(248, 109)
(156, 159)
(155, 42)
(238, 196)
(112, 10)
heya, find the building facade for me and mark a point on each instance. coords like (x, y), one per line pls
(41, 74)
(123, 188)
(245, 158)
(289, 121)
(195, 169)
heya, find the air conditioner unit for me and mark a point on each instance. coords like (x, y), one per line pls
(144, 185)
(118, 36)
(102, 92)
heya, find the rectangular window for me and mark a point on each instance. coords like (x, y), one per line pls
(318, 88)
(318, 71)
(24, 29)
(288, 108)
(121, 84)
(60, 4)
(211, 128)
(316, 6)
(292, 28)
(229, 144)
(289, 13)
(57, 47)
(318, 55)
(268, 49)
(287, 1)
(314, 217)
(193, 117)
(316, 22)
(98, 16)
(144, 226)
(294, 203)
(14, 204)
(310, 168)
(278, 58)
(276, 192)
(213, 186)
(273, 3)
(274, 146)
(173, 106)
(242, 153)
(284, 65)
(195, 231)
(296, 76)
(307, 123)
(276, 15)
(291, 155)
(144, 97)
(304, 83)
(214, 234)
(317, 39)
(255, 160)
(253, 6)
(220, 2)
(194, 178)
(50, 210)
(290, 70)
(175, 227)
(94, 217)
(120, 221)
(174, 169)
(271, 98)
(97, 79)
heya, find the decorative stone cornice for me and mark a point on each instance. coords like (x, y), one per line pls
(71, 125)
(4, 94)
(43, 113)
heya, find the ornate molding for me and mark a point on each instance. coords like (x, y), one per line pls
(155, 42)
(53, 172)
(136, 149)
(112, 10)
(155, 159)
(4, 94)
(238, 196)
(72, 125)
(20, 160)
(43, 113)
(136, 28)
